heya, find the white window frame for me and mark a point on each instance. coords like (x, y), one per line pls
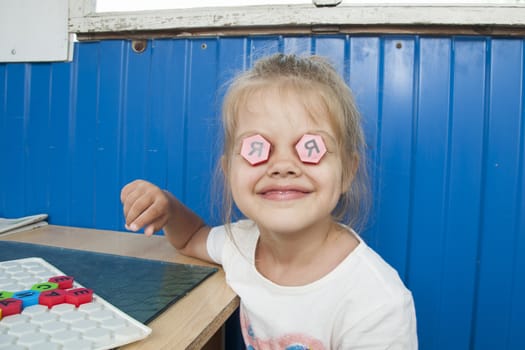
(84, 18)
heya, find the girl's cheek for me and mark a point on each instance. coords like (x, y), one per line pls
(244, 171)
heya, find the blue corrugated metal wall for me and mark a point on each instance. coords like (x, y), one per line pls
(445, 123)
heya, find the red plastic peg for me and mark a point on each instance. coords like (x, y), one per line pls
(51, 298)
(311, 148)
(10, 306)
(255, 149)
(64, 282)
(79, 296)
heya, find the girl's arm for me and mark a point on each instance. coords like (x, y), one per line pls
(147, 206)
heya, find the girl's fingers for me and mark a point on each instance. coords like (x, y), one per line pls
(150, 213)
(134, 207)
(152, 227)
(130, 188)
(150, 230)
(144, 205)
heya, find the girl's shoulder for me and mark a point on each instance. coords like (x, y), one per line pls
(237, 237)
(242, 231)
(368, 265)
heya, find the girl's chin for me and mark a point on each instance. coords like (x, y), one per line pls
(284, 226)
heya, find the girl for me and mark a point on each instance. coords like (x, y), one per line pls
(293, 164)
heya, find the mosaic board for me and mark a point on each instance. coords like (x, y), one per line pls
(33, 314)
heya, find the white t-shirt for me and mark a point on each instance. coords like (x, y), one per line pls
(361, 304)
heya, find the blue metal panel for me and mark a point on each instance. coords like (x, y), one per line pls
(445, 125)
(425, 263)
(202, 123)
(59, 157)
(36, 127)
(175, 101)
(108, 124)
(4, 141)
(262, 46)
(83, 134)
(465, 172)
(333, 47)
(395, 149)
(135, 83)
(500, 199)
(365, 59)
(14, 113)
(516, 332)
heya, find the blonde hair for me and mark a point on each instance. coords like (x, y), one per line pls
(308, 77)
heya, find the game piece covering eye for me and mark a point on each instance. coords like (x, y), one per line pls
(255, 149)
(311, 148)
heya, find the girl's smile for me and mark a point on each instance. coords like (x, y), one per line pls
(283, 193)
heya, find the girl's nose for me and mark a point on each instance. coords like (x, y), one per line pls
(283, 164)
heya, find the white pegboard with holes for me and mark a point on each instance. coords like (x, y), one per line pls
(32, 319)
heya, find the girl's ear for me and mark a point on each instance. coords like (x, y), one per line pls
(349, 171)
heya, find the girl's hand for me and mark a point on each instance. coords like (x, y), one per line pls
(145, 205)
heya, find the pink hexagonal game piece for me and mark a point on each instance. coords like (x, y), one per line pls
(311, 148)
(255, 149)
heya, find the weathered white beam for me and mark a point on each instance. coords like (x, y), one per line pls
(296, 15)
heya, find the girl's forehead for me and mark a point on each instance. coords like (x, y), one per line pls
(281, 107)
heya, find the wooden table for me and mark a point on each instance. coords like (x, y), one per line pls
(193, 322)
